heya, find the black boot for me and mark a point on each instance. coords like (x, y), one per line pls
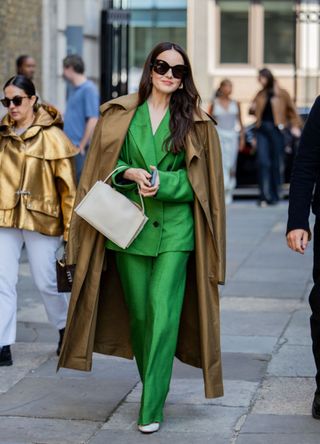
(5, 356)
(316, 406)
(61, 334)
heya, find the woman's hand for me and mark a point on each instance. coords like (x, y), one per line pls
(81, 150)
(242, 142)
(297, 240)
(152, 191)
(296, 131)
(142, 179)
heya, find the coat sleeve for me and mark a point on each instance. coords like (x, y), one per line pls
(217, 199)
(292, 114)
(305, 171)
(117, 179)
(65, 180)
(89, 176)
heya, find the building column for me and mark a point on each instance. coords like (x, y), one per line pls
(54, 49)
(308, 50)
(198, 46)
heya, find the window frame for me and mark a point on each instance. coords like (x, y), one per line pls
(217, 27)
(255, 43)
(280, 66)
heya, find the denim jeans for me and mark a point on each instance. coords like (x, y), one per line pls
(270, 153)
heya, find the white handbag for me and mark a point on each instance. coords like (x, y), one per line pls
(111, 213)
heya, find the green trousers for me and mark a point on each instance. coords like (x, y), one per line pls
(154, 291)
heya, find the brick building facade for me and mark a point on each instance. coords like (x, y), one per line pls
(20, 33)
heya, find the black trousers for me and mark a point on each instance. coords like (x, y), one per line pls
(314, 301)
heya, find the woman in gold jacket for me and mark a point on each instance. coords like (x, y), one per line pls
(37, 190)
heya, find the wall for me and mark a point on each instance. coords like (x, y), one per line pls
(20, 33)
(68, 26)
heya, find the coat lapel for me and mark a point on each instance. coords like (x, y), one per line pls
(194, 152)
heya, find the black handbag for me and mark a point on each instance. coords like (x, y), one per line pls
(64, 272)
(65, 275)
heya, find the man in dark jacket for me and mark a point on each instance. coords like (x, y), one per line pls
(305, 178)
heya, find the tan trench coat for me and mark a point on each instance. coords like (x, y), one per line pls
(98, 318)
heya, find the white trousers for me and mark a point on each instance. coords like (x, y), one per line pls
(229, 148)
(41, 252)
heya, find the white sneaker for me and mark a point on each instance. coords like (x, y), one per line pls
(149, 428)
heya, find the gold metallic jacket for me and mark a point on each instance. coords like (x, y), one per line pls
(37, 180)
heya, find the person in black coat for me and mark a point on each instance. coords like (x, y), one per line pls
(304, 194)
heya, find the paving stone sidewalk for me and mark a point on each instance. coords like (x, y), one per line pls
(267, 361)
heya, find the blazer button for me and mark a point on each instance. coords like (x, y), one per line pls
(130, 161)
(169, 168)
(156, 224)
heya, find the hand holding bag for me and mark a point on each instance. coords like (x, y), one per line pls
(111, 213)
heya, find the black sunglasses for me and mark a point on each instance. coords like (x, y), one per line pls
(17, 100)
(161, 67)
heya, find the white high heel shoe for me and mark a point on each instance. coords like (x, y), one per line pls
(149, 428)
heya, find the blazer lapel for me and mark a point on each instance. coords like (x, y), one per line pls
(160, 136)
(141, 132)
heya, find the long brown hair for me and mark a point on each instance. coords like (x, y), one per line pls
(267, 74)
(184, 102)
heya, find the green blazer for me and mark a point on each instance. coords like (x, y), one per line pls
(170, 226)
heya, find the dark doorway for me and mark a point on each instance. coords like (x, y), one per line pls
(114, 47)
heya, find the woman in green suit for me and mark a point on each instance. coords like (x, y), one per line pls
(166, 282)
(153, 269)
(159, 256)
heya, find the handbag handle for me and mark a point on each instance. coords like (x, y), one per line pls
(120, 168)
